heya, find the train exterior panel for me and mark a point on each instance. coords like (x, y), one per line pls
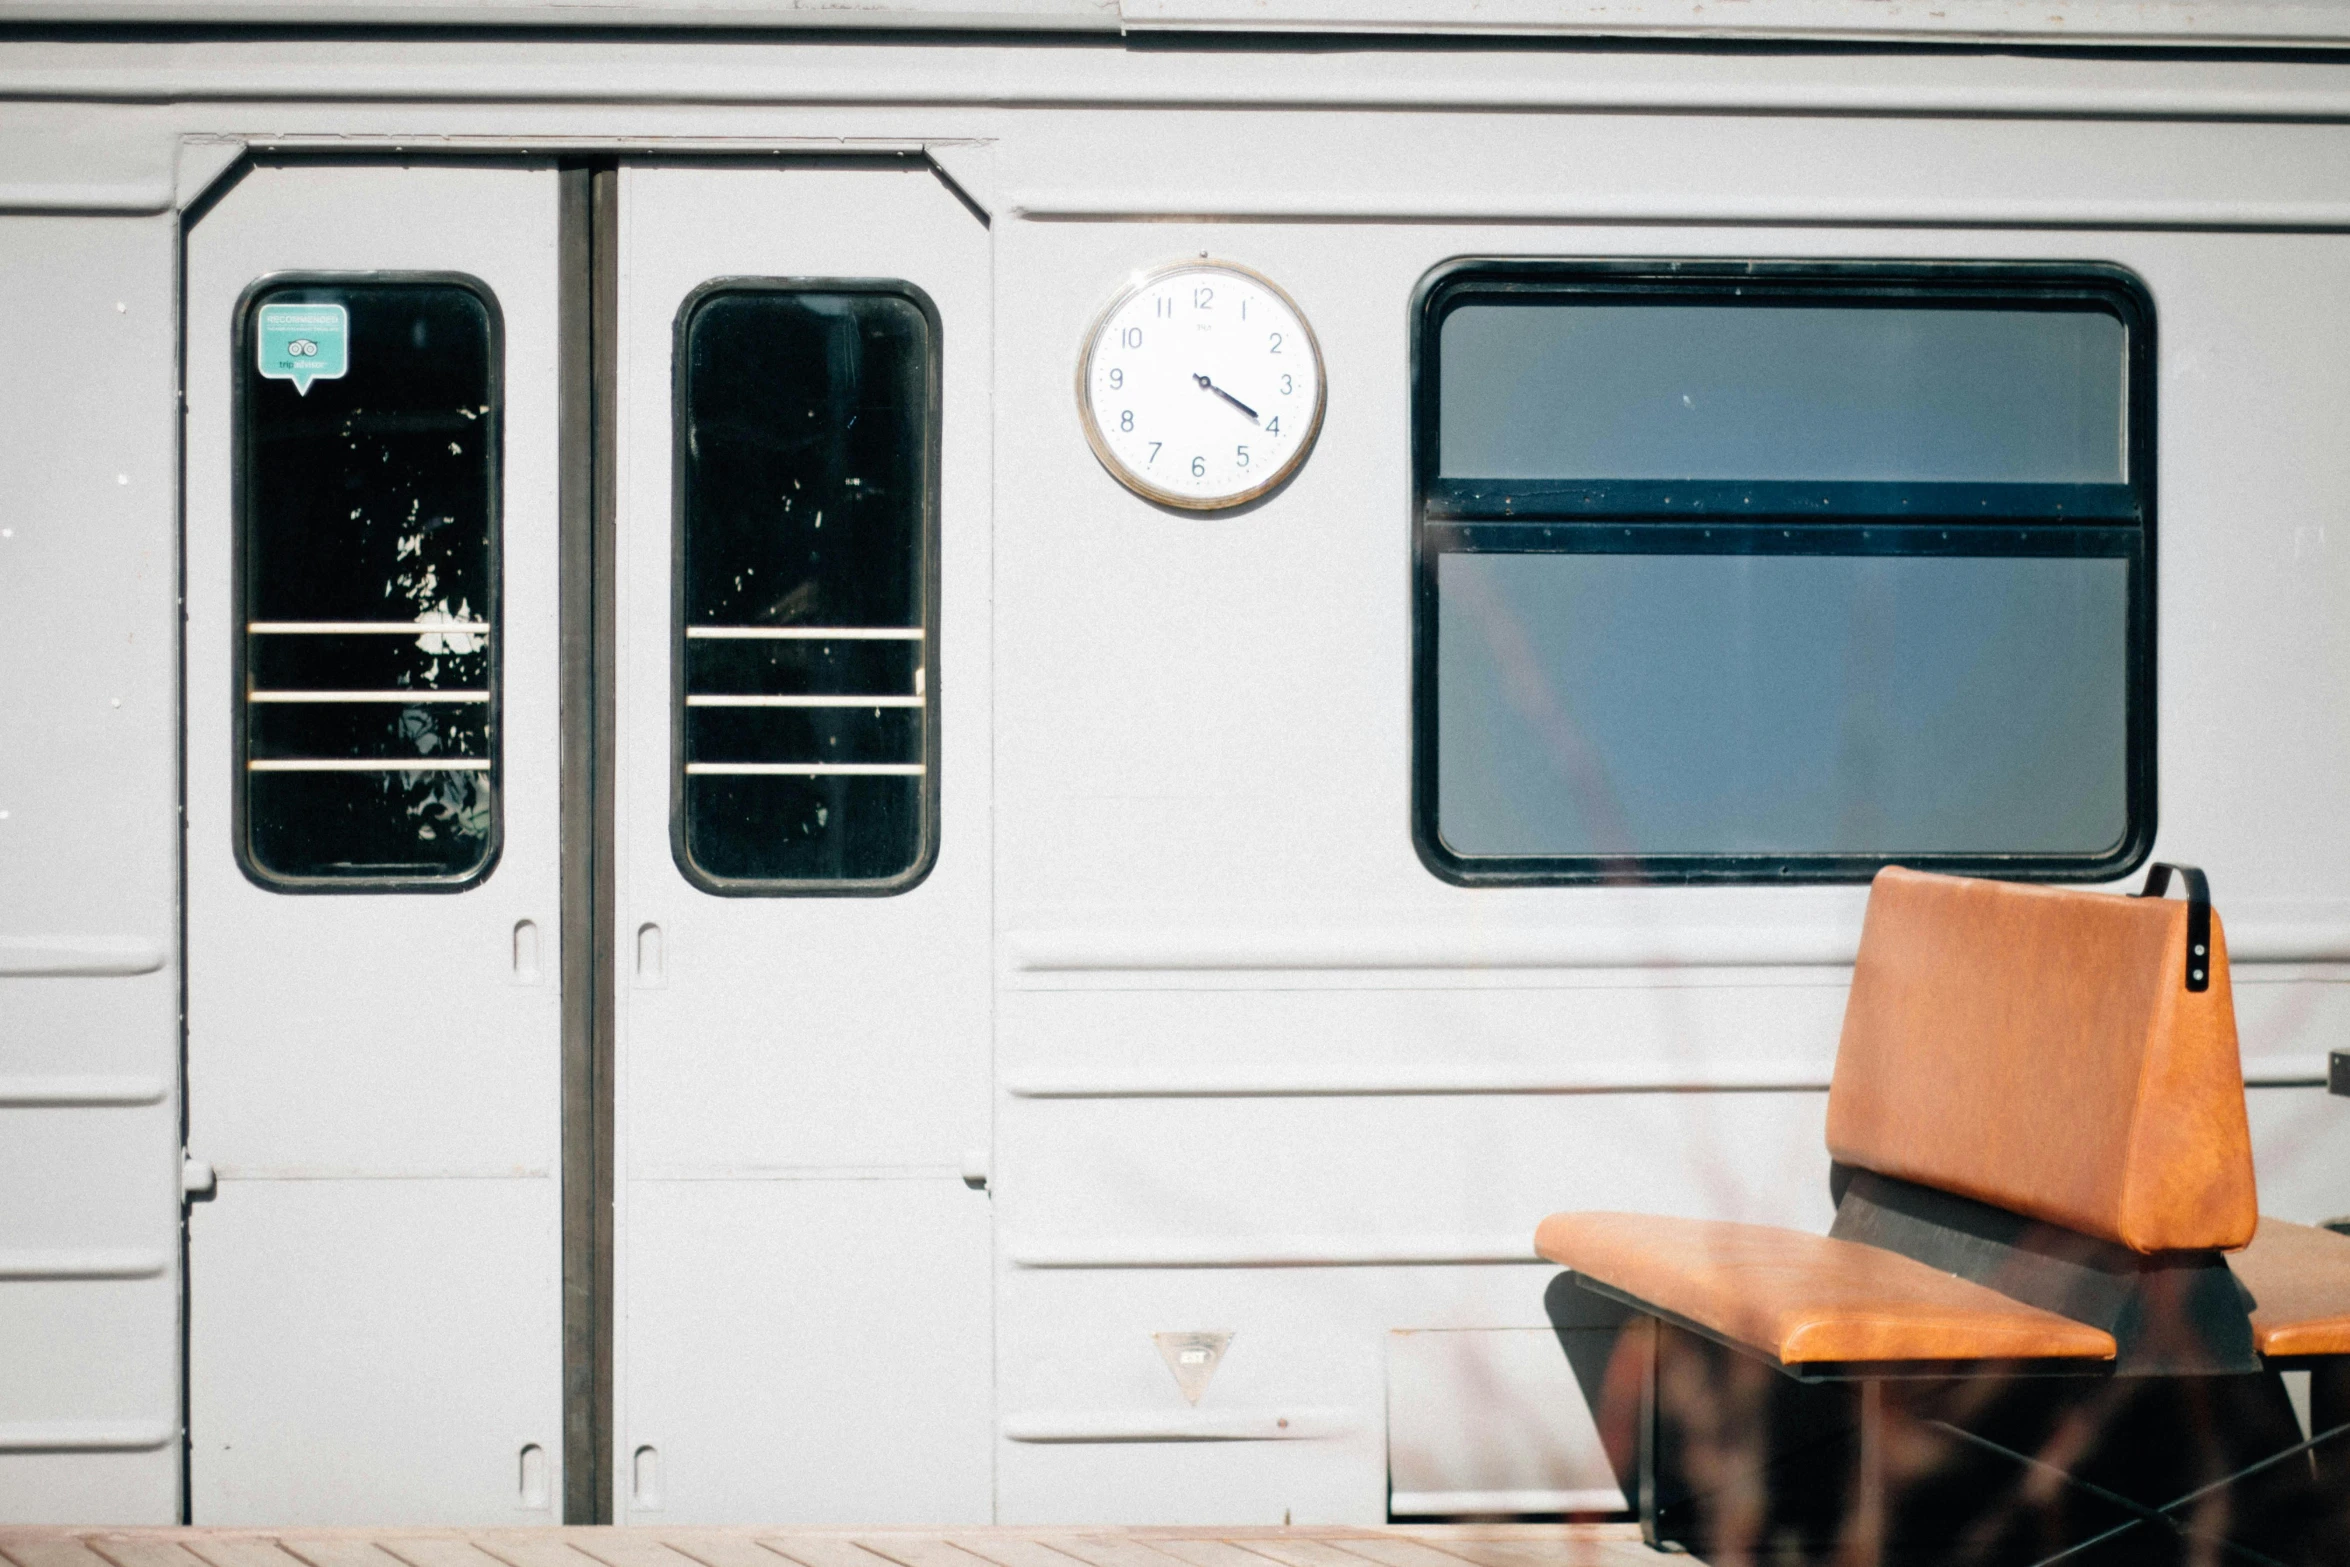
(986, 1014)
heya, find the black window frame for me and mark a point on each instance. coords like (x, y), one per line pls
(931, 457)
(1856, 518)
(240, 531)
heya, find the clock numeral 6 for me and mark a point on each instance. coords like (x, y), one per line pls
(1199, 467)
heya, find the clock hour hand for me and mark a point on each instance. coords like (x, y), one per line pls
(1207, 385)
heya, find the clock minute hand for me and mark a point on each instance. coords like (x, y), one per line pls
(1207, 385)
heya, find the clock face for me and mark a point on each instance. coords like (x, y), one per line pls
(1201, 386)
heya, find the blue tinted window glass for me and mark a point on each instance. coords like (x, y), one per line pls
(1578, 390)
(1603, 704)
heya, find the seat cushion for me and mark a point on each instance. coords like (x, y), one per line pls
(1805, 1299)
(2299, 1276)
(2037, 1048)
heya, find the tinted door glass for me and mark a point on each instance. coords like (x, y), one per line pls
(807, 711)
(368, 543)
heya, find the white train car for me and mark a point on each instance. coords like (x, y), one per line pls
(931, 761)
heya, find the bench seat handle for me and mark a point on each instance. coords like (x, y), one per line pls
(2198, 916)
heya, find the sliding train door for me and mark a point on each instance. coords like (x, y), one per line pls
(802, 1316)
(371, 856)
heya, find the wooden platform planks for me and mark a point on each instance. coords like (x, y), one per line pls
(1488, 1545)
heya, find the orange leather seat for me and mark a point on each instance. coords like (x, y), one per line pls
(2039, 1049)
(2299, 1277)
(1805, 1299)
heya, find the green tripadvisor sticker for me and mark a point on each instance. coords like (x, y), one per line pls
(304, 343)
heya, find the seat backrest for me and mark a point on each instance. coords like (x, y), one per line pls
(2038, 1048)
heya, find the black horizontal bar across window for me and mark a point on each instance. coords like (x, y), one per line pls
(1781, 571)
(1771, 538)
(1924, 502)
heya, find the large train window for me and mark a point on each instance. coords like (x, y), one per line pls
(1764, 572)
(807, 587)
(367, 449)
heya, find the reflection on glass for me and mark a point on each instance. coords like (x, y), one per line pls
(1774, 704)
(368, 593)
(1782, 572)
(806, 473)
(1762, 392)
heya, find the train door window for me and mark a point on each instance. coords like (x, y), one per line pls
(367, 579)
(1782, 571)
(806, 701)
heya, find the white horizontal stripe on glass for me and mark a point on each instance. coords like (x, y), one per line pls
(807, 769)
(414, 764)
(803, 701)
(360, 628)
(808, 633)
(367, 696)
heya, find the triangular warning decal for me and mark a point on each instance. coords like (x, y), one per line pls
(1193, 1357)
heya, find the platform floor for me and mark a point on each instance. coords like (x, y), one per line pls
(1472, 1545)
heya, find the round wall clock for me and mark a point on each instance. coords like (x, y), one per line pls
(1201, 386)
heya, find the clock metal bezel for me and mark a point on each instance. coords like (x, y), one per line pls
(1110, 460)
